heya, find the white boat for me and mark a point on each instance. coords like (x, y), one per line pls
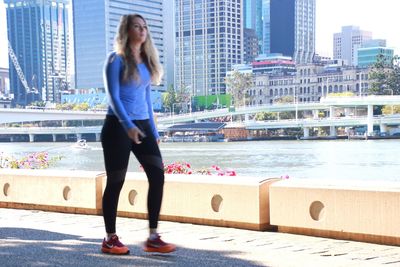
(81, 144)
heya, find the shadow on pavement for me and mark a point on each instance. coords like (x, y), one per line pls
(31, 247)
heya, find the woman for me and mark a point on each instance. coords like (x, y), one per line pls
(129, 127)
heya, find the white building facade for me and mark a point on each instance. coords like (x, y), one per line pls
(209, 40)
(347, 42)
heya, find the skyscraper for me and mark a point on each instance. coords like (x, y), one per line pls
(253, 19)
(95, 26)
(348, 41)
(209, 40)
(38, 34)
(292, 28)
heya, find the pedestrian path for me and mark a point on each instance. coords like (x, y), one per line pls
(37, 238)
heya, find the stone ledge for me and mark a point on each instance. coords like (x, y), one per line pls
(368, 212)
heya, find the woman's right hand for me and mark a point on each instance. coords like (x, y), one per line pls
(135, 134)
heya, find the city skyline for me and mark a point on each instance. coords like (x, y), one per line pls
(330, 17)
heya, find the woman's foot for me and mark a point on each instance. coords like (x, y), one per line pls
(157, 245)
(114, 246)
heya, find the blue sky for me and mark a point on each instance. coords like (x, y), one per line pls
(378, 16)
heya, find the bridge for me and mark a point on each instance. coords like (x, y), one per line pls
(23, 115)
(306, 124)
(329, 103)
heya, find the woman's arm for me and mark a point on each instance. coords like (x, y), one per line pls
(150, 110)
(112, 73)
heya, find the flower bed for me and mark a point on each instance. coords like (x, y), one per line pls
(38, 160)
(185, 168)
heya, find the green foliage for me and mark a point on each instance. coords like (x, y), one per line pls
(65, 106)
(343, 94)
(81, 107)
(169, 98)
(385, 76)
(288, 99)
(286, 115)
(238, 83)
(100, 107)
(183, 94)
(386, 110)
(38, 104)
(265, 116)
(268, 116)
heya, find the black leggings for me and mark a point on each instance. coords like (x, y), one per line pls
(117, 147)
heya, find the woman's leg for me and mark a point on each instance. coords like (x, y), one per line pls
(116, 149)
(149, 156)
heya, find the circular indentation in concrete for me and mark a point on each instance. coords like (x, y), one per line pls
(216, 202)
(67, 193)
(132, 197)
(6, 189)
(317, 210)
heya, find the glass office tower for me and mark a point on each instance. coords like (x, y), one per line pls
(292, 29)
(209, 40)
(95, 26)
(38, 35)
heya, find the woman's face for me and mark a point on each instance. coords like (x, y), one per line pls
(137, 31)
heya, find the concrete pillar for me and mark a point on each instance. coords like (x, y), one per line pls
(31, 138)
(383, 128)
(97, 137)
(306, 132)
(78, 136)
(246, 117)
(331, 111)
(347, 111)
(315, 113)
(332, 131)
(54, 137)
(11, 139)
(370, 122)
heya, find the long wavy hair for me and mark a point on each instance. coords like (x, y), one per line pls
(148, 52)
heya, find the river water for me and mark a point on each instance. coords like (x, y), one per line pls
(334, 159)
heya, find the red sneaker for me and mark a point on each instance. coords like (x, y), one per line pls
(157, 245)
(114, 246)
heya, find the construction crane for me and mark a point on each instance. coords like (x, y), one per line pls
(20, 73)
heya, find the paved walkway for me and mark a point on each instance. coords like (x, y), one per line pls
(36, 238)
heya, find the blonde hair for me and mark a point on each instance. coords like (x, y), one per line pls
(148, 52)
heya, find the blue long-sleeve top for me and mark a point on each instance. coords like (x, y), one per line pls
(128, 100)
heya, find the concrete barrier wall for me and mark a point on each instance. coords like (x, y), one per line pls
(241, 202)
(364, 211)
(66, 191)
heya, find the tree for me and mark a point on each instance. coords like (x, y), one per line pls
(38, 104)
(238, 84)
(170, 97)
(183, 96)
(389, 109)
(265, 116)
(385, 76)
